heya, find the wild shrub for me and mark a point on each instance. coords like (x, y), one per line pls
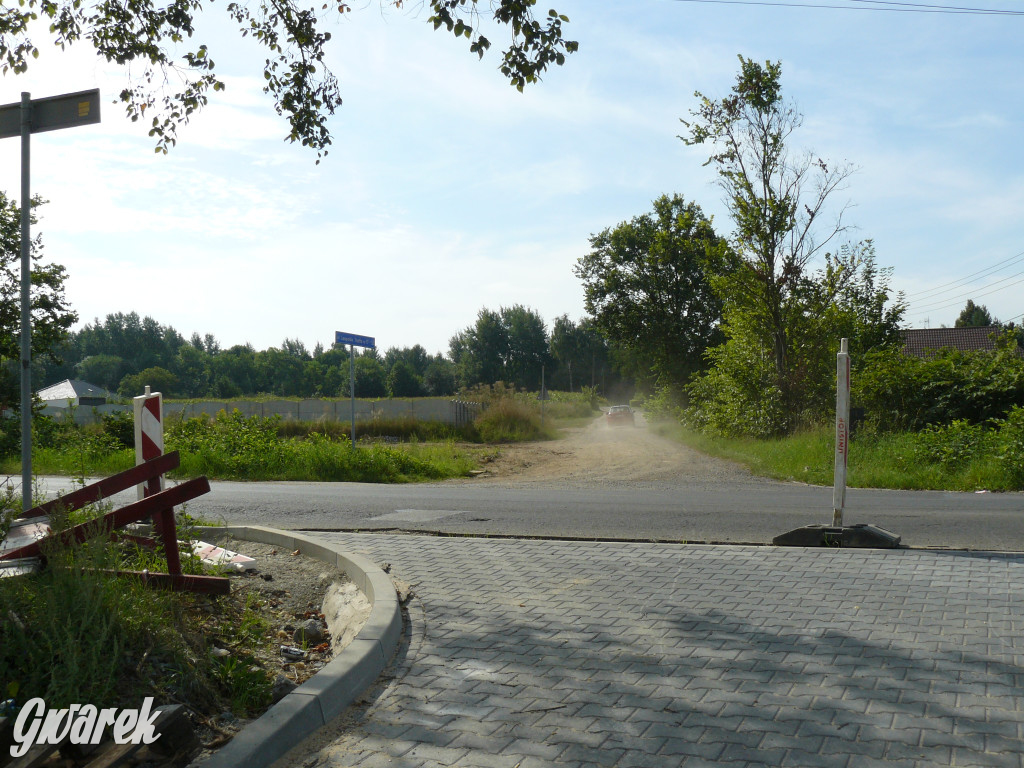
(905, 392)
(510, 420)
(951, 445)
(571, 405)
(1010, 445)
(405, 428)
(10, 507)
(120, 426)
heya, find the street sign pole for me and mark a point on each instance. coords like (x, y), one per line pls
(352, 384)
(26, 309)
(23, 119)
(353, 340)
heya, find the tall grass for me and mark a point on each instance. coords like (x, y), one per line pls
(510, 420)
(237, 447)
(404, 428)
(73, 633)
(935, 459)
(320, 459)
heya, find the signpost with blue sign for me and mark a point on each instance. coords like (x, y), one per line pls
(353, 340)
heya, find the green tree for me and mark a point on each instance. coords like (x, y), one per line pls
(528, 345)
(402, 381)
(141, 342)
(509, 345)
(280, 372)
(233, 371)
(51, 315)
(154, 40)
(581, 354)
(192, 369)
(439, 379)
(479, 351)
(776, 200)
(740, 392)
(416, 356)
(156, 378)
(646, 283)
(370, 377)
(104, 370)
(974, 316)
(323, 378)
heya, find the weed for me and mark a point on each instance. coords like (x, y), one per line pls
(248, 686)
(955, 457)
(511, 420)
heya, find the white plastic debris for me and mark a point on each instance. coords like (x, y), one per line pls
(214, 555)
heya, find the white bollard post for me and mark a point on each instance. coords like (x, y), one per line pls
(842, 431)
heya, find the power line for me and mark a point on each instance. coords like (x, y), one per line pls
(1015, 318)
(927, 5)
(973, 296)
(876, 7)
(939, 289)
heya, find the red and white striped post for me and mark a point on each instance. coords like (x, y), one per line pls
(149, 443)
(842, 431)
(149, 434)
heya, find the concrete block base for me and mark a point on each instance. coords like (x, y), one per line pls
(863, 535)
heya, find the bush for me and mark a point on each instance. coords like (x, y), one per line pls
(906, 392)
(508, 420)
(571, 405)
(951, 445)
(403, 427)
(120, 426)
(1010, 445)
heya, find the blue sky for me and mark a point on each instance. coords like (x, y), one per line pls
(446, 190)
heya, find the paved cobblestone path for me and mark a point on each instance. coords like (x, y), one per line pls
(531, 653)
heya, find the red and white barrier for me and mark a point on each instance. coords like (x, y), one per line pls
(149, 432)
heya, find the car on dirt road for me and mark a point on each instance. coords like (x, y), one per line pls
(619, 415)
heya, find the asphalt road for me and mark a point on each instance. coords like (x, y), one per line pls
(743, 512)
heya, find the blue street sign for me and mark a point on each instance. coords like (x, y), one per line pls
(354, 339)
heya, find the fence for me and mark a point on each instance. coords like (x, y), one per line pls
(440, 409)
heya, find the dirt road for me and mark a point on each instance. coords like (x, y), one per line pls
(604, 455)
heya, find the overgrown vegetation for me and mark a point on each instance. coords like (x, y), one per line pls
(72, 633)
(950, 421)
(910, 393)
(958, 456)
(238, 447)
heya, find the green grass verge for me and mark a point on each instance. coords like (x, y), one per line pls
(322, 460)
(896, 460)
(72, 633)
(231, 446)
(313, 460)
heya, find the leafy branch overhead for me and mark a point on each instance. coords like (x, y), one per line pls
(167, 86)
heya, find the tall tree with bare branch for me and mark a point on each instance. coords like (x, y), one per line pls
(775, 196)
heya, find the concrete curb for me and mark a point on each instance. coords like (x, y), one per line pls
(327, 694)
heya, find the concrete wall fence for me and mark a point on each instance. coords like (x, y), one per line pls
(440, 409)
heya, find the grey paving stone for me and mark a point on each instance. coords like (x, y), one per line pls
(592, 653)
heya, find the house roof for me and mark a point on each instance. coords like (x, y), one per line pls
(71, 389)
(916, 341)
